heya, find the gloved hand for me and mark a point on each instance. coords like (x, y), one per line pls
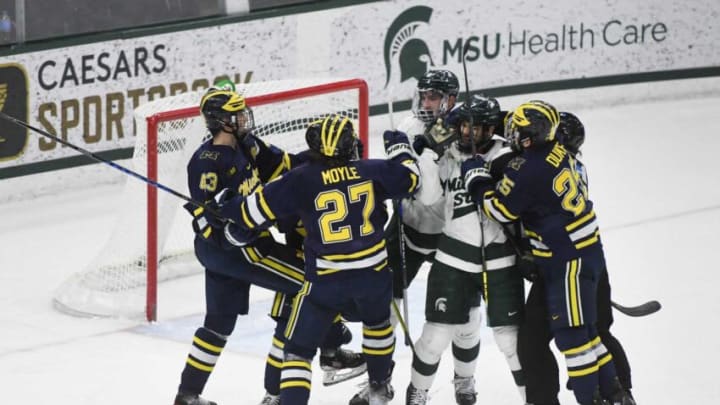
(360, 148)
(203, 220)
(440, 136)
(420, 142)
(238, 235)
(396, 144)
(476, 173)
(527, 267)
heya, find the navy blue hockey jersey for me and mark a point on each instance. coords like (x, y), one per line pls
(543, 188)
(213, 168)
(341, 208)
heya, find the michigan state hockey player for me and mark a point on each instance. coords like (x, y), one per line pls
(542, 189)
(473, 257)
(434, 98)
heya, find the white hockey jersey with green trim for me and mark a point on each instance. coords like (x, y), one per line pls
(462, 236)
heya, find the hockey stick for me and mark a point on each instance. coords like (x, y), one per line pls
(473, 148)
(404, 323)
(645, 309)
(115, 166)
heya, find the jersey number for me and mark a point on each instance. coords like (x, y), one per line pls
(565, 185)
(208, 181)
(336, 207)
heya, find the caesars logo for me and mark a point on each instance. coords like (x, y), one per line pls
(13, 102)
(404, 49)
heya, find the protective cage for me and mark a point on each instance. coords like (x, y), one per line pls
(152, 238)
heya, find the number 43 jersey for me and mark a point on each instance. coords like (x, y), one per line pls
(341, 208)
(543, 188)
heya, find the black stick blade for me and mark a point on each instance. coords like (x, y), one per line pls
(645, 309)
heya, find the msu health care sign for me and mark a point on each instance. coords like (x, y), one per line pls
(85, 94)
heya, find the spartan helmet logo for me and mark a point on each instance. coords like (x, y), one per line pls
(412, 54)
(441, 304)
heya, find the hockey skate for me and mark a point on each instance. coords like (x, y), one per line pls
(620, 395)
(373, 394)
(270, 399)
(415, 396)
(465, 393)
(342, 366)
(363, 396)
(381, 393)
(191, 399)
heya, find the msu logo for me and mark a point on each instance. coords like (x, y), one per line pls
(402, 47)
(441, 304)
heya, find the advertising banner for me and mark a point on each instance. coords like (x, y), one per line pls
(86, 93)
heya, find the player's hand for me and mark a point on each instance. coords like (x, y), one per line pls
(476, 173)
(396, 144)
(238, 235)
(420, 142)
(360, 148)
(527, 267)
(203, 222)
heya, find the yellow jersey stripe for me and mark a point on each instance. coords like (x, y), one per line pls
(375, 352)
(358, 254)
(264, 205)
(585, 347)
(378, 332)
(290, 384)
(206, 345)
(587, 217)
(199, 366)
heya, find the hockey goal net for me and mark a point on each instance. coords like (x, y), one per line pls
(152, 239)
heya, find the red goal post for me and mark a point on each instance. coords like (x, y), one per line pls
(167, 135)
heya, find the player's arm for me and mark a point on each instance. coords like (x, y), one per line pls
(402, 178)
(270, 160)
(502, 201)
(265, 205)
(204, 183)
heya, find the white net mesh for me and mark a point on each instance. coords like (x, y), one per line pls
(114, 283)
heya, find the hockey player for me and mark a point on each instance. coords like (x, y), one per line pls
(542, 188)
(541, 370)
(233, 158)
(339, 199)
(473, 258)
(434, 98)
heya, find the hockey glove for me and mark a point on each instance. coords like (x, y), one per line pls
(440, 136)
(239, 236)
(419, 144)
(396, 144)
(203, 222)
(360, 148)
(476, 173)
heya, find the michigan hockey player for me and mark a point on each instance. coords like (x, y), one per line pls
(542, 188)
(234, 158)
(340, 201)
(541, 370)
